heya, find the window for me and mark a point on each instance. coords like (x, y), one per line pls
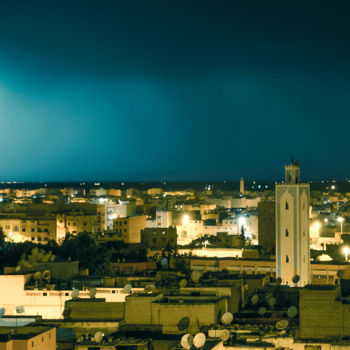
(16, 229)
(45, 239)
(287, 233)
(32, 238)
(45, 294)
(154, 240)
(33, 230)
(23, 230)
(287, 259)
(287, 206)
(125, 222)
(32, 344)
(39, 239)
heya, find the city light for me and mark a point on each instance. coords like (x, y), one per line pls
(317, 225)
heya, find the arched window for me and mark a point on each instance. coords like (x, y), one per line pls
(287, 259)
(287, 233)
(287, 206)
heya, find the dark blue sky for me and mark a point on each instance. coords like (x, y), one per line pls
(181, 90)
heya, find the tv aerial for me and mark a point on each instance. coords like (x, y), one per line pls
(227, 318)
(282, 324)
(199, 340)
(183, 324)
(292, 311)
(75, 293)
(92, 292)
(187, 341)
(127, 289)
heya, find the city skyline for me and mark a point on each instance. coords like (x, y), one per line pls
(181, 91)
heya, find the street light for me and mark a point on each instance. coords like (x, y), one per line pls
(341, 220)
(346, 252)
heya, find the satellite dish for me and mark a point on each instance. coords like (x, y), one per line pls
(37, 275)
(187, 341)
(75, 293)
(46, 275)
(292, 311)
(272, 302)
(225, 334)
(92, 292)
(149, 288)
(199, 340)
(282, 324)
(20, 309)
(183, 283)
(262, 311)
(227, 318)
(195, 276)
(98, 337)
(183, 324)
(255, 299)
(127, 289)
(2, 312)
(296, 279)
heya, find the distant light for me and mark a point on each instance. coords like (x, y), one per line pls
(259, 186)
(325, 220)
(340, 219)
(265, 186)
(332, 187)
(1, 199)
(346, 251)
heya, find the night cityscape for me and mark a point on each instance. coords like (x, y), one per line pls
(174, 175)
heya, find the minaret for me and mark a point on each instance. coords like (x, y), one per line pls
(292, 227)
(241, 186)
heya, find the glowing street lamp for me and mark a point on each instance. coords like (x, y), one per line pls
(341, 220)
(346, 252)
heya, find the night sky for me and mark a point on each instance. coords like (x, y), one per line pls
(173, 90)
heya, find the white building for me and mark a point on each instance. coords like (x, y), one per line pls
(164, 219)
(292, 227)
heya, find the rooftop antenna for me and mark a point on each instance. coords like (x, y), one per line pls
(199, 340)
(187, 341)
(227, 318)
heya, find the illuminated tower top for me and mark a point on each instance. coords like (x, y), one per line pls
(292, 173)
(241, 186)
